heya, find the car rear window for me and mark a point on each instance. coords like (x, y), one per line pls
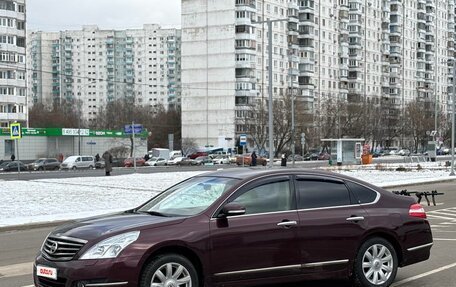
(362, 194)
(320, 193)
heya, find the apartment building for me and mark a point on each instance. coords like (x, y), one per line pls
(13, 103)
(381, 51)
(91, 67)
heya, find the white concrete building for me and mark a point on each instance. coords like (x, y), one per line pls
(93, 66)
(13, 103)
(380, 51)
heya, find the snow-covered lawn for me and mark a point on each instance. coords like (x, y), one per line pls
(37, 201)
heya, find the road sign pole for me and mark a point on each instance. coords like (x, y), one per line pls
(133, 135)
(17, 156)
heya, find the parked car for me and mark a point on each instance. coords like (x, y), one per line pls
(186, 162)
(324, 156)
(197, 154)
(203, 160)
(78, 162)
(311, 156)
(156, 161)
(242, 227)
(221, 159)
(100, 164)
(12, 166)
(297, 157)
(404, 152)
(128, 162)
(45, 164)
(248, 160)
(175, 160)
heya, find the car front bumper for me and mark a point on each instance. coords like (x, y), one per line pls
(118, 272)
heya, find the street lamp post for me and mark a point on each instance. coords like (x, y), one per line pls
(270, 126)
(452, 118)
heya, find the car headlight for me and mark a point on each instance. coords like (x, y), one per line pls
(111, 247)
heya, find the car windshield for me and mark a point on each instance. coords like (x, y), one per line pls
(4, 164)
(189, 197)
(39, 161)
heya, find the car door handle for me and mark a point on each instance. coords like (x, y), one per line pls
(355, 218)
(287, 223)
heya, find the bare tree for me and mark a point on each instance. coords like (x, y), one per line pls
(62, 115)
(189, 146)
(418, 123)
(255, 120)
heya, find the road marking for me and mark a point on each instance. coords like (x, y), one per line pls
(445, 239)
(443, 213)
(16, 270)
(402, 282)
(440, 217)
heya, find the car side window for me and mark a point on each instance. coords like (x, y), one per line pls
(321, 193)
(362, 194)
(268, 197)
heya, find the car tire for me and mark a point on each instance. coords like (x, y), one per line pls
(156, 272)
(40, 168)
(74, 168)
(56, 168)
(90, 166)
(375, 264)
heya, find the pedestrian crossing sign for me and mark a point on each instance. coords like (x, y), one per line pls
(15, 131)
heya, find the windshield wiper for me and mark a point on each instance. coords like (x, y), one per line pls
(156, 213)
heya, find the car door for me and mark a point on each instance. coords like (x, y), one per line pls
(263, 241)
(79, 163)
(330, 225)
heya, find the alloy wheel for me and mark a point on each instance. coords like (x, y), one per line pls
(378, 264)
(171, 275)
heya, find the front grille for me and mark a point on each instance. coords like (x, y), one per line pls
(44, 282)
(61, 248)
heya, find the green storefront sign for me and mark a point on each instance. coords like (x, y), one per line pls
(58, 132)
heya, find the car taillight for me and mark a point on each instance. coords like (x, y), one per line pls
(416, 210)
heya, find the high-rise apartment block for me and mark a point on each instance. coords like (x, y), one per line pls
(13, 103)
(380, 51)
(92, 67)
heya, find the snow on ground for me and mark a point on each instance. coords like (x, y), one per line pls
(47, 200)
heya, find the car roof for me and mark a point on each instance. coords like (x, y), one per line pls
(247, 173)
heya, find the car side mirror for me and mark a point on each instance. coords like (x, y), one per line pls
(232, 209)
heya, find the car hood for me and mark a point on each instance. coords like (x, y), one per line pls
(92, 228)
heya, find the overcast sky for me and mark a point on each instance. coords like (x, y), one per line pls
(57, 15)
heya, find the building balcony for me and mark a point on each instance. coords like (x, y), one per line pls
(293, 5)
(12, 117)
(250, 7)
(245, 65)
(13, 99)
(307, 61)
(292, 19)
(245, 36)
(244, 21)
(246, 93)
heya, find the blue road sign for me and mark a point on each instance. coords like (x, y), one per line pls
(243, 139)
(16, 131)
(128, 129)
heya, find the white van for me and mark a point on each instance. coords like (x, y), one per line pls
(175, 154)
(78, 162)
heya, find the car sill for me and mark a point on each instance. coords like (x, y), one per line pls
(420, 247)
(327, 263)
(106, 284)
(308, 265)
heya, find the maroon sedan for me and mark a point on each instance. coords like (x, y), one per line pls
(243, 227)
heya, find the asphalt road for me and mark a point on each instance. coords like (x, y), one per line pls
(19, 247)
(120, 171)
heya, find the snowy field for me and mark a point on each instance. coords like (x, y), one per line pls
(39, 201)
